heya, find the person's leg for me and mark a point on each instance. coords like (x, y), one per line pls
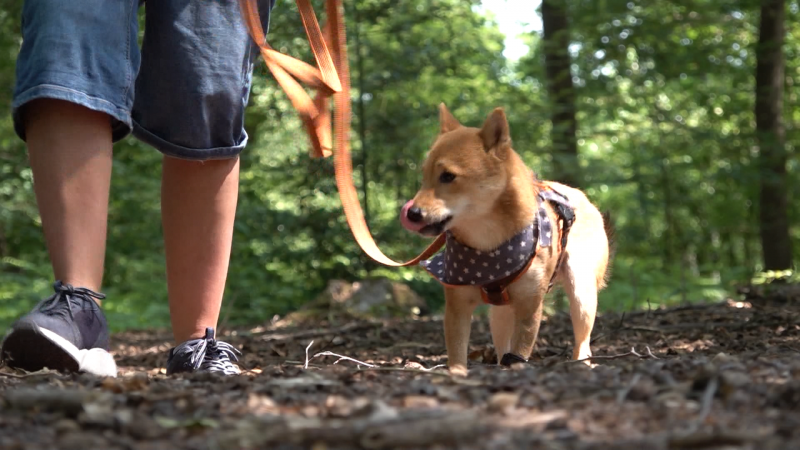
(72, 99)
(191, 93)
(198, 204)
(69, 147)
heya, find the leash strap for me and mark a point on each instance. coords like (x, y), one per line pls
(330, 79)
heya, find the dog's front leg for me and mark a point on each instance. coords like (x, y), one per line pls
(527, 317)
(459, 305)
(501, 324)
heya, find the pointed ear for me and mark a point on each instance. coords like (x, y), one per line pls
(446, 120)
(495, 130)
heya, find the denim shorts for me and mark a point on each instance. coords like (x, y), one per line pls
(184, 92)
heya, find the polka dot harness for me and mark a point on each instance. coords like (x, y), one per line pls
(493, 271)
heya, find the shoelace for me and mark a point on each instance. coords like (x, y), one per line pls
(198, 351)
(218, 358)
(212, 355)
(64, 294)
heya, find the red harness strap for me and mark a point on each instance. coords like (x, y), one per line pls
(496, 293)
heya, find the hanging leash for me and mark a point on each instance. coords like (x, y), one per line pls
(331, 79)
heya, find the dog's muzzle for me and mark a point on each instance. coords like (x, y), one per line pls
(412, 219)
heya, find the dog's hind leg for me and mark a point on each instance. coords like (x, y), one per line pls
(501, 323)
(580, 284)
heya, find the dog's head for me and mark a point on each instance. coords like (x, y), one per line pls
(463, 175)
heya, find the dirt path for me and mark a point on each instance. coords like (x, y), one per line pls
(712, 376)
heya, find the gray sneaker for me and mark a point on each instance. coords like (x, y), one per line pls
(203, 355)
(66, 332)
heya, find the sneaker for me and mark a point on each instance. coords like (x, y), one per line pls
(66, 332)
(203, 355)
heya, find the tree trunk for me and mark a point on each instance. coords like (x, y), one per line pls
(561, 92)
(775, 241)
(3, 242)
(671, 232)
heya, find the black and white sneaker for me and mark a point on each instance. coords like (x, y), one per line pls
(66, 332)
(203, 355)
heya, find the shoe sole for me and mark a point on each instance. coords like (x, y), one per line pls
(29, 348)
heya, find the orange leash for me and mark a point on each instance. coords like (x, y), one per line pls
(331, 79)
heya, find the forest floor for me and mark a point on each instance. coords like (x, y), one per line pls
(707, 376)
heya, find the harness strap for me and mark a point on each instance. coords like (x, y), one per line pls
(496, 293)
(567, 217)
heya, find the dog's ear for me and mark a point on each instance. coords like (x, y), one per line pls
(446, 120)
(494, 132)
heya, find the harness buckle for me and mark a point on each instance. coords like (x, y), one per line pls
(496, 298)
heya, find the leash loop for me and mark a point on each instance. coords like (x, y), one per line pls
(331, 79)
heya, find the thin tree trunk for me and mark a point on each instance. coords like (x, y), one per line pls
(641, 189)
(729, 238)
(671, 230)
(3, 242)
(561, 92)
(776, 244)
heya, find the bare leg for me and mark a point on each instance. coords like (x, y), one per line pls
(69, 148)
(198, 203)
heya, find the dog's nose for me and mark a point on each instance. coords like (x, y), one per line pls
(414, 214)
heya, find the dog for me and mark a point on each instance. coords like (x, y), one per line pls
(477, 190)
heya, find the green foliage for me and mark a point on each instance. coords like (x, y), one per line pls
(666, 136)
(770, 276)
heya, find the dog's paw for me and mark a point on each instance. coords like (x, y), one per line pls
(583, 354)
(589, 363)
(458, 371)
(509, 359)
(586, 360)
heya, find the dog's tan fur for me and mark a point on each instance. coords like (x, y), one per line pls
(492, 198)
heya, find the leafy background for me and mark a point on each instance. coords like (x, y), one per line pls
(666, 138)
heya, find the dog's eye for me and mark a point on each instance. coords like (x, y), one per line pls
(446, 177)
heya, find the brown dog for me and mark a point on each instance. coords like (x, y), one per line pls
(476, 188)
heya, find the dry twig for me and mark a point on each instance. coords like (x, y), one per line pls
(438, 366)
(305, 366)
(707, 400)
(633, 352)
(623, 394)
(341, 358)
(650, 353)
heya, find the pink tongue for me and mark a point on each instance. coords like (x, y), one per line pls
(407, 224)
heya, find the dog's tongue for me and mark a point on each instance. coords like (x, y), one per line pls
(407, 224)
